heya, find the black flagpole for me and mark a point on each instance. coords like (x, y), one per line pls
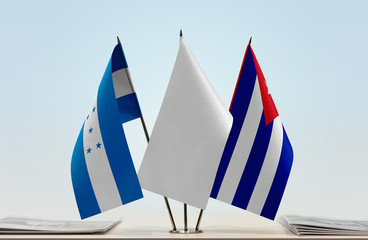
(185, 205)
(148, 138)
(199, 220)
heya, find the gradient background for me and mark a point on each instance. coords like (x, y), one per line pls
(313, 55)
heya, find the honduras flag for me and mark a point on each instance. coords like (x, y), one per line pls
(257, 158)
(102, 169)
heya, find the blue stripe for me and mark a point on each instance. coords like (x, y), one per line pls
(239, 109)
(129, 107)
(254, 164)
(83, 191)
(118, 58)
(279, 182)
(115, 143)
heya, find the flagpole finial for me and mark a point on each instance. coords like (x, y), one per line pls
(250, 41)
(181, 33)
(118, 39)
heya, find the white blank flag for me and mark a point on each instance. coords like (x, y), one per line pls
(188, 138)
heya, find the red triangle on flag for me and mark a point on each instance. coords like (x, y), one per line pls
(269, 108)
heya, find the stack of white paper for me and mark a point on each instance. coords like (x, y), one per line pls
(43, 226)
(321, 226)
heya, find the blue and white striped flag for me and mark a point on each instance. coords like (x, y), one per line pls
(102, 169)
(257, 158)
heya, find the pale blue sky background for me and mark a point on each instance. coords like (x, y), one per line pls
(312, 53)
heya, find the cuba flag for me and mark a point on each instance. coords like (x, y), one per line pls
(102, 170)
(257, 158)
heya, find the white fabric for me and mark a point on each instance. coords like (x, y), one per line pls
(242, 148)
(122, 85)
(98, 166)
(268, 171)
(188, 138)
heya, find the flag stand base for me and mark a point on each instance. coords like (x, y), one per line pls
(182, 231)
(186, 230)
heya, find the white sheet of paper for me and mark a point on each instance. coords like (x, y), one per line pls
(36, 225)
(302, 225)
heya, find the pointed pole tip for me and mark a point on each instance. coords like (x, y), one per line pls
(118, 39)
(181, 33)
(250, 41)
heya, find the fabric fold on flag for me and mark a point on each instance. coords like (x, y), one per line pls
(102, 170)
(188, 137)
(258, 156)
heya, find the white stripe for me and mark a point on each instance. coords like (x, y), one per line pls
(121, 82)
(102, 179)
(242, 148)
(268, 170)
